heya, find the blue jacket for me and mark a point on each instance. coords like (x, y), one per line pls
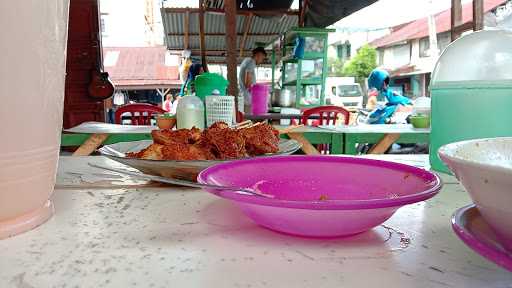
(393, 99)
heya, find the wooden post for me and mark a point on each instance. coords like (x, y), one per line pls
(306, 146)
(303, 6)
(186, 30)
(231, 55)
(478, 15)
(247, 28)
(202, 40)
(383, 145)
(162, 94)
(456, 19)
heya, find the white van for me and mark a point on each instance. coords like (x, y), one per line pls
(346, 95)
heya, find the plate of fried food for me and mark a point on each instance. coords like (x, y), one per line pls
(183, 153)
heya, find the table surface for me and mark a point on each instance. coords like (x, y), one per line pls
(98, 127)
(375, 128)
(113, 231)
(277, 116)
(109, 128)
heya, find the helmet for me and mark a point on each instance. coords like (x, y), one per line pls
(377, 78)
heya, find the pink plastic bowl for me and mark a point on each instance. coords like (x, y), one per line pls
(322, 196)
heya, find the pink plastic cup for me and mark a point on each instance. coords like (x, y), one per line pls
(32, 93)
(259, 98)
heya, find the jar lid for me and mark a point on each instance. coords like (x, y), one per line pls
(479, 56)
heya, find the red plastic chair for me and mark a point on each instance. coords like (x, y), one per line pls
(141, 113)
(327, 116)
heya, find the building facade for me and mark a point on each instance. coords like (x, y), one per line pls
(407, 54)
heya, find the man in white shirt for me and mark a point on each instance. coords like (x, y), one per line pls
(247, 75)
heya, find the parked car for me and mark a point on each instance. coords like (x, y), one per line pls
(347, 95)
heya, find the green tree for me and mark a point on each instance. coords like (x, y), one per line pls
(335, 66)
(362, 64)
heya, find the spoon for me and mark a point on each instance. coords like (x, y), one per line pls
(238, 190)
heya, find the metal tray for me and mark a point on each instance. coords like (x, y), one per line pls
(187, 170)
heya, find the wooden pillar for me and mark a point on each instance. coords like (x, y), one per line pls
(456, 19)
(231, 53)
(202, 41)
(303, 6)
(247, 28)
(186, 30)
(478, 15)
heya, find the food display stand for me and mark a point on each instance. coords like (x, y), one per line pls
(303, 72)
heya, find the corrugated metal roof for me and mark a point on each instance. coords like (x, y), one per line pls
(141, 66)
(322, 13)
(174, 21)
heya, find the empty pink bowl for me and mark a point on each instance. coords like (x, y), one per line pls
(321, 196)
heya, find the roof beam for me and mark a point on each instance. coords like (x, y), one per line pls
(478, 15)
(178, 51)
(186, 28)
(238, 12)
(303, 6)
(202, 42)
(224, 34)
(215, 52)
(247, 28)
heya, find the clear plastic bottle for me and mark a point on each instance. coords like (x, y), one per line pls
(190, 113)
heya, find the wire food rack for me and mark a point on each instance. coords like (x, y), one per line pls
(220, 108)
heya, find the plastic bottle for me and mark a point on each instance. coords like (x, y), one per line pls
(190, 113)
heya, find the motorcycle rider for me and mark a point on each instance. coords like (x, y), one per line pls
(379, 80)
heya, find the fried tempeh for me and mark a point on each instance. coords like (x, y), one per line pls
(261, 139)
(182, 136)
(217, 142)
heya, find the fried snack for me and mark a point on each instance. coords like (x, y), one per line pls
(261, 139)
(181, 136)
(226, 143)
(152, 152)
(187, 152)
(218, 142)
(219, 125)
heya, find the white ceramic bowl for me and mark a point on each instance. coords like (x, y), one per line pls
(484, 167)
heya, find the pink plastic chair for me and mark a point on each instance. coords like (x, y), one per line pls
(327, 116)
(141, 113)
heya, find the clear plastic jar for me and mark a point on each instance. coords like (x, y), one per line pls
(190, 113)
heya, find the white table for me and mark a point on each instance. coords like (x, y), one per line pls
(109, 128)
(376, 128)
(98, 133)
(113, 231)
(383, 135)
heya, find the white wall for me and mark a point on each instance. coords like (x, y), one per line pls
(425, 64)
(356, 39)
(395, 56)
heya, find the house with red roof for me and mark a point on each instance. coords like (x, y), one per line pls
(142, 74)
(406, 51)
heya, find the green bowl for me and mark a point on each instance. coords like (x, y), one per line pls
(420, 121)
